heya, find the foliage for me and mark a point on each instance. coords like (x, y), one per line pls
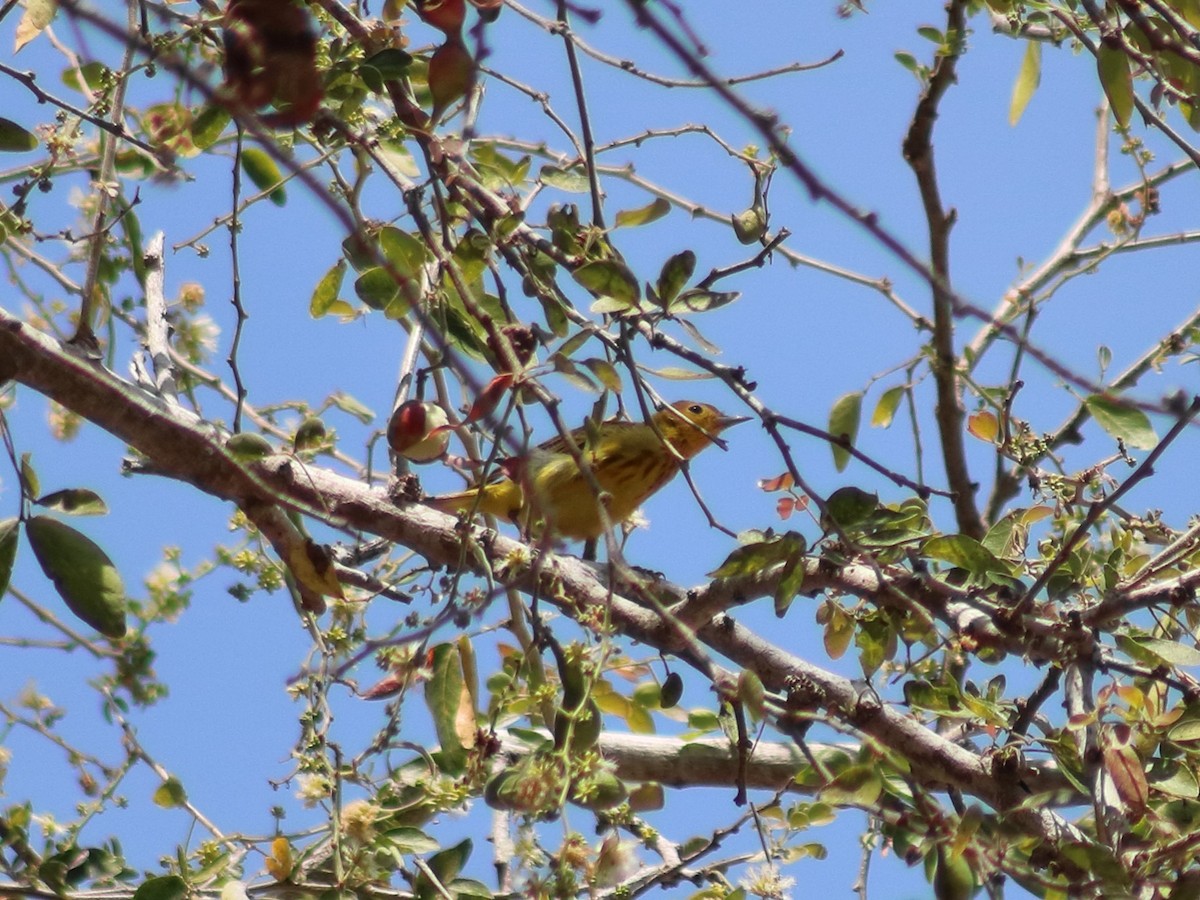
(1002, 682)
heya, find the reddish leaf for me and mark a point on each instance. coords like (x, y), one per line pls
(783, 482)
(489, 397)
(385, 687)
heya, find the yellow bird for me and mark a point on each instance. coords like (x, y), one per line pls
(629, 460)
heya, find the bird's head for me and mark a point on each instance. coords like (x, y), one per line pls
(690, 426)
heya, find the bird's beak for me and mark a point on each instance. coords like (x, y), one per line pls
(729, 421)
(723, 423)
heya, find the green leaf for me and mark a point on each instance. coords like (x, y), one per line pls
(10, 532)
(75, 502)
(909, 61)
(791, 579)
(702, 720)
(964, 552)
(404, 251)
(885, 409)
(850, 506)
(1028, 79)
(261, 169)
(756, 556)
(444, 696)
(376, 288)
(247, 446)
(839, 630)
(29, 477)
(1115, 78)
(675, 373)
(858, 785)
(209, 125)
(843, 423)
(93, 74)
(446, 864)
(386, 65)
(1188, 730)
(610, 278)
(1171, 652)
(349, 405)
(573, 343)
(697, 300)
(605, 372)
(573, 180)
(674, 275)
(170, 794)
(326, 292)
(1123, 422)
(750, 224)
(82, 573)
(751, 693)
(643, 215)
(1170, 777)
(14, 138)
(168, 887)
(408, 839)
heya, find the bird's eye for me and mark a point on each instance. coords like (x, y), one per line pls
(695, 409)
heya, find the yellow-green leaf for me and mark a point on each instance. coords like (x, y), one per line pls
(606, 373)
(751, 693)
(446, 695)
(1124, 422)
(643, 215)
(573, 180)
(609, 278)
(1115, 78)
(326, 292)
(247, 446)
(885, 409)
(856, 786)
(843, 423)
(1028, 78)
(376, 288)
(208, 126)
(964, 552)
(264, 173)
(38, 14)
(750, 224)
(754, 557)
(170, 794)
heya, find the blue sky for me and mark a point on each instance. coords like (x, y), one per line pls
(807, 338)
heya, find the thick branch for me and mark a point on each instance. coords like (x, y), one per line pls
(182, 447)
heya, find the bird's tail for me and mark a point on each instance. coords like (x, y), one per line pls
(502, 499)
(453, 503)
